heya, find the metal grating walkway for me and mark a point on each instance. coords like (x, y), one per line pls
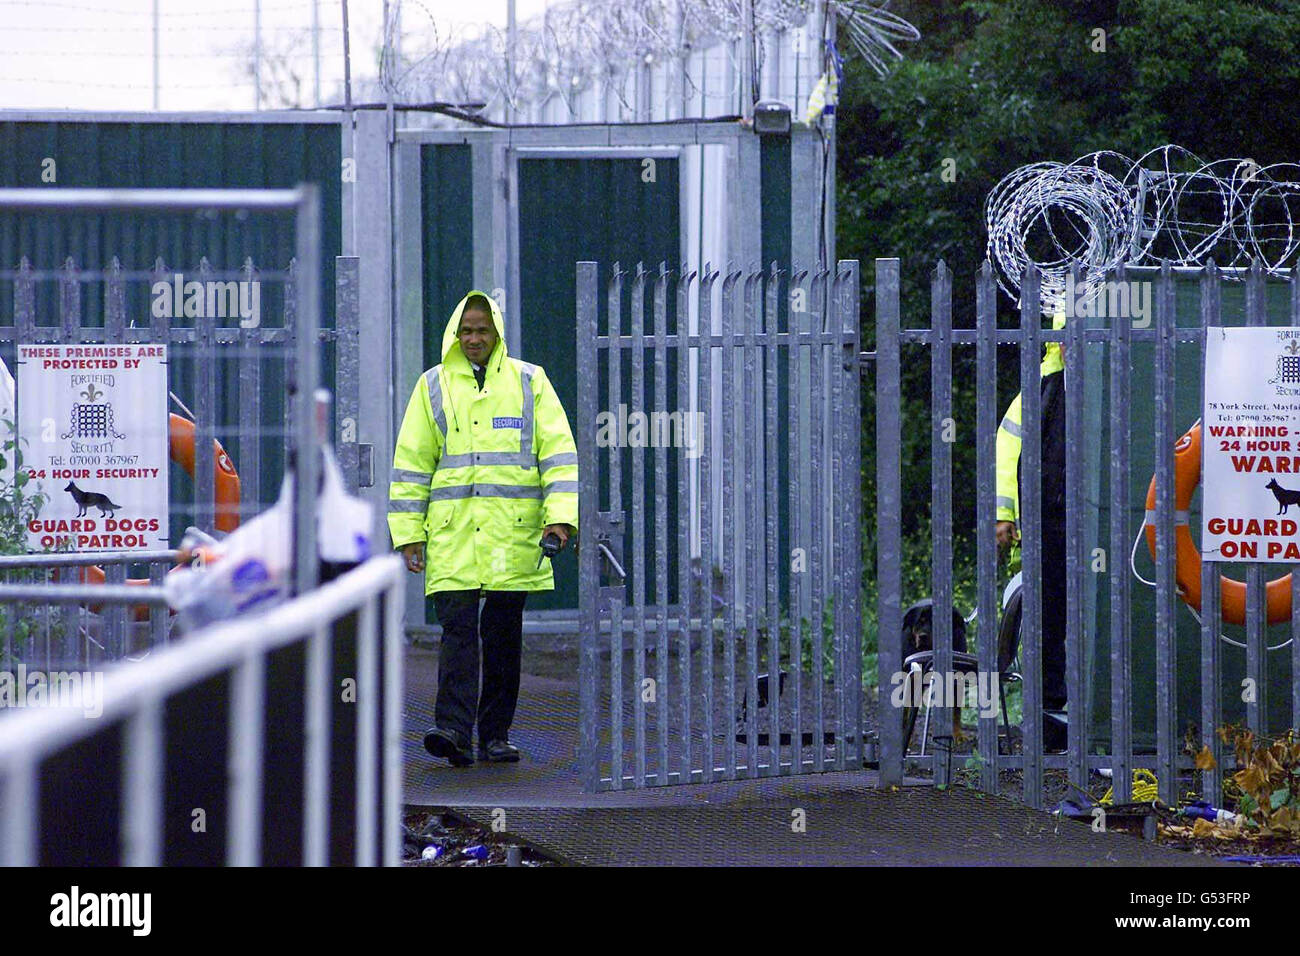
(854, 826)
(733, 823)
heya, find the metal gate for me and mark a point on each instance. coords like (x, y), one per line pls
(720, 551)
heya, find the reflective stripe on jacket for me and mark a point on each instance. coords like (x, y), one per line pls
(1007, 456)
(478, 474)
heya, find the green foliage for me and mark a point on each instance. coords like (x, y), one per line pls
(18, 506)
(998, 84)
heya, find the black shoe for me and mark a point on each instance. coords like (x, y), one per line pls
(1056, 732)
(446, 743)
(498, 751)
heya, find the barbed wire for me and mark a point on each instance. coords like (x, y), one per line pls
(1104, 208)
(574, 45)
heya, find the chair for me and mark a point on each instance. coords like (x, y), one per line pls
(917, 665)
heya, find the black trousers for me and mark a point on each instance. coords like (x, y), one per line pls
(501, 629)
(1054, 616)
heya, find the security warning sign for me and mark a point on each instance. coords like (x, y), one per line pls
(1251, 442)
(93, 421)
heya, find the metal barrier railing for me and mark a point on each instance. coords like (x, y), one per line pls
(242, 729)
(44, 621)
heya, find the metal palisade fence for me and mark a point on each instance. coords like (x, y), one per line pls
(720, 551)
(231, 373)
(721, 548)
(1093, 589)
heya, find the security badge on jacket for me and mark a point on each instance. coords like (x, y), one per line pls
(478, 474)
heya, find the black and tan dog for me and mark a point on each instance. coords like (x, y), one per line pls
(918, 636)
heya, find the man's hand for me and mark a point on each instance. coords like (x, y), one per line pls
(414, 555)
(1007, 535)
(561, 531)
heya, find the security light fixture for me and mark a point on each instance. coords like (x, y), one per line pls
(771, 118)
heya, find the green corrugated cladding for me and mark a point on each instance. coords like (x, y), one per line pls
(604, 210)
(448, 224)
(446, 214)
(156, 155)
(775, 217)
(1187, 402)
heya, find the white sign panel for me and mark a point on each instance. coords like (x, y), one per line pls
(1251, 443)
(93, 419)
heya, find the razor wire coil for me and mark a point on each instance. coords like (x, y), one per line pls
(1169, 205)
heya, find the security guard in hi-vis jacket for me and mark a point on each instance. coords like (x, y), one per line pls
(1010, 480)
(485, 471)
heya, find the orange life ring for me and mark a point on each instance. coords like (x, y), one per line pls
(180, 446)
(1232, 593)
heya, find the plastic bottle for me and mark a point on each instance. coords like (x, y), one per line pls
(1201, 810)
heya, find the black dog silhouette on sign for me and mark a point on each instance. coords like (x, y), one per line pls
(91, 499)
(1285, 496)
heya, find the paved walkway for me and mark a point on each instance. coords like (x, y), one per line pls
(849, 821)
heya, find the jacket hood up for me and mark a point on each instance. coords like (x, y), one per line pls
(451, 353)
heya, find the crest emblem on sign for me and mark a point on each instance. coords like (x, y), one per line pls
(90, 418)
(1287, 376)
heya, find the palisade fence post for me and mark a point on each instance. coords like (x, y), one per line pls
(727, 528)
(798, 591)
(639, 575)
(1031, 531)
(1256, 595)
(889, 510)
(941, 513)
(203, 361)
(1076, 682)
(588, 505)
(663, 690)
(835, 579)
(852, 433)
(1120, 603)
(618, 594)
(708, 279)
(986, 425)
(289, 359)
(1295, 575)
(305, 380)
(750, 511)
(818, 517)
(69, 302)
(772, 473)
(1211, 658)
(690, 442)
(251, 339)
(1166, 585)
(347, 376)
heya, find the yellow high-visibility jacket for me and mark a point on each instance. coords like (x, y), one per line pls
(1007, 454)
(478, 474)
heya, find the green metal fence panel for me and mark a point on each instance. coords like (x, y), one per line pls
(603, 210)
(447, 216)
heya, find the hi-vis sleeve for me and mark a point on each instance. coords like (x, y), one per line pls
(557, 455)
(415, 457)
(1008, 463)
